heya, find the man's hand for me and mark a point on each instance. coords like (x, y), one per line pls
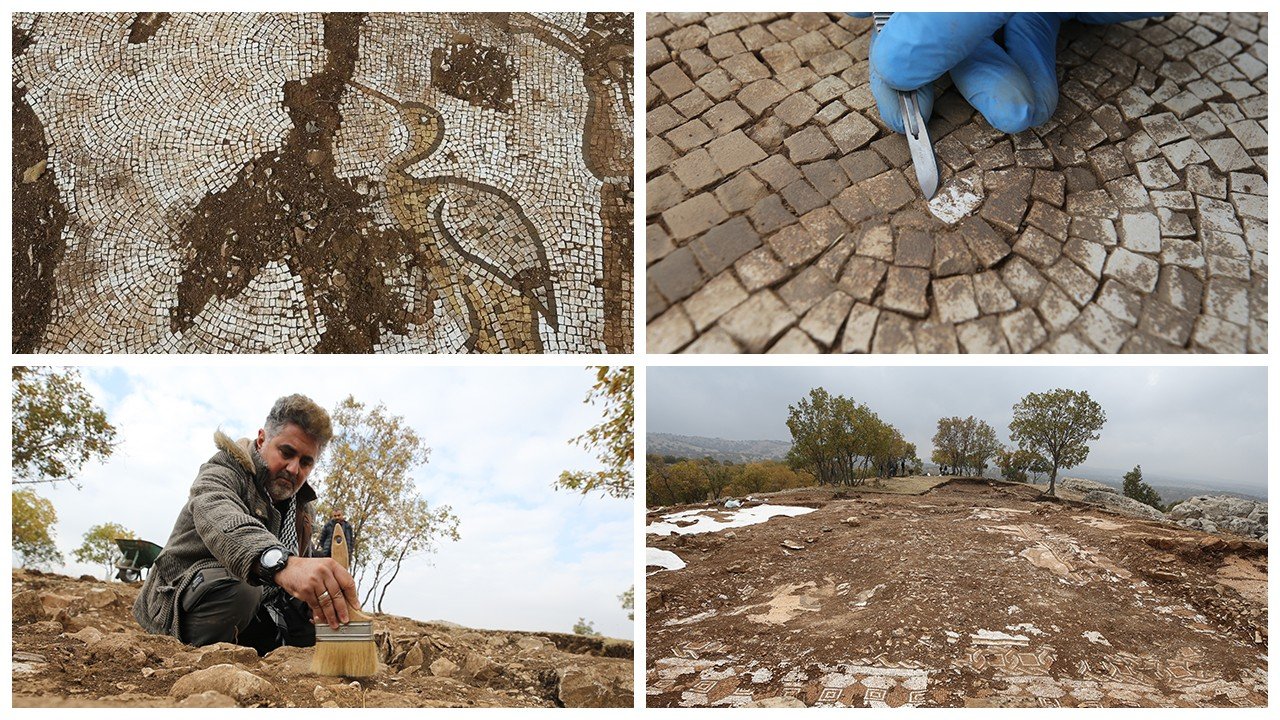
(1013, 84)
(308, 579)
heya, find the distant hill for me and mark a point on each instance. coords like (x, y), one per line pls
(1170, 489)
(695, 446)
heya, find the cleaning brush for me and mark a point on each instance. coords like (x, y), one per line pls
(350, 650)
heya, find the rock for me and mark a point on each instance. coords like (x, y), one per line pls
(532, 644)
(595, 686)
(226, 654)
(785, 701)
(1213, 513)
(117, 649)
(479, 667)
(27, 607)
(851, 521)
(1115, 502)
(53, 602)
(444, 667)
(99, 598)
(34, 172)
(792, 545)
(46, 626)
(315, 157)
(207, 699)
(414, 658)
(1083, 486)
(88, 636)
(244, 686)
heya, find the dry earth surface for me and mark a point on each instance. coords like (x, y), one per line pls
(75, 644)
(966, 593)
(783, 216)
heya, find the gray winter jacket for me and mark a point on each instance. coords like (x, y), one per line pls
(228, 520)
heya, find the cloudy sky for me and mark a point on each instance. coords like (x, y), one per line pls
(530, 558)
(1204, 424)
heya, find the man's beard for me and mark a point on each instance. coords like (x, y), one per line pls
(281, 487)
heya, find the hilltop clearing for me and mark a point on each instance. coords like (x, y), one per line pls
(954, 593)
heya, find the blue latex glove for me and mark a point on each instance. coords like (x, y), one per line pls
(1015, 87)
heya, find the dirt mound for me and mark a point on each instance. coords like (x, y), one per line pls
(976, 593)
(75, 644)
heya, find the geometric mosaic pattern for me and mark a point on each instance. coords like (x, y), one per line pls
(341, 182)
(784, 217)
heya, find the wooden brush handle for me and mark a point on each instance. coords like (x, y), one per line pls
(338, 550)
(342, 555)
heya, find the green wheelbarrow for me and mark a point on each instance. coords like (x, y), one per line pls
(138, 555)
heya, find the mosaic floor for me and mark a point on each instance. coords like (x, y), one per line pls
(1031, 605)
(323, 183)
(783, 217)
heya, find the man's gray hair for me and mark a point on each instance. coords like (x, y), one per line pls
(303, 412)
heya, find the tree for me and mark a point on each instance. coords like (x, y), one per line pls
(34, 519)
(1017, 465)
(369, 463)
(99, 546)
(1057, 425)
(613, 440)
(840, 441)
(964, 446)
(57, 428)
(1138, 490)
(582, 627)
(718, 476)
(628, 600)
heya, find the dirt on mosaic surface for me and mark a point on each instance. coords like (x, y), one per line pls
(971, 593)
(76, 644)
(783, 216)
(265, 215)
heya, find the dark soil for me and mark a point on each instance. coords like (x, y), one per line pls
(320, 226)
(38, 219)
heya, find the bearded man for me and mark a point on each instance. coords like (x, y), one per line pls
(235, 568)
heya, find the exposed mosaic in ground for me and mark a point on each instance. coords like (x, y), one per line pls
(323, 183)
(973, 593)
(784, 217)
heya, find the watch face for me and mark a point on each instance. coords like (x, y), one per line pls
(271, 558)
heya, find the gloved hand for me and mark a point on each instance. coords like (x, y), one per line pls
(1014, 86)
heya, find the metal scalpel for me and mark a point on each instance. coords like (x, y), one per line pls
(917, 134)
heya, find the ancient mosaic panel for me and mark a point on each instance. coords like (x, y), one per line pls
(340, 182)
(783, 216)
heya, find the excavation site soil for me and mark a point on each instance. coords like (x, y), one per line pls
(948, 593)
(76, 644)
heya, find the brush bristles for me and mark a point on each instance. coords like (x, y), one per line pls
(345, 659)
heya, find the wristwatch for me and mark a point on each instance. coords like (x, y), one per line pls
(272, 561)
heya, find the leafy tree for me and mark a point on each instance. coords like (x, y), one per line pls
(1138, 490)
(719, 475)
(34, 519)
(369, 463)
(1017, 465)
(628, 600)
(1057, 425)
(964, 445)
(57, 428)
(582, 627)
(840, 441)
(99, 546)
(613, 439)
